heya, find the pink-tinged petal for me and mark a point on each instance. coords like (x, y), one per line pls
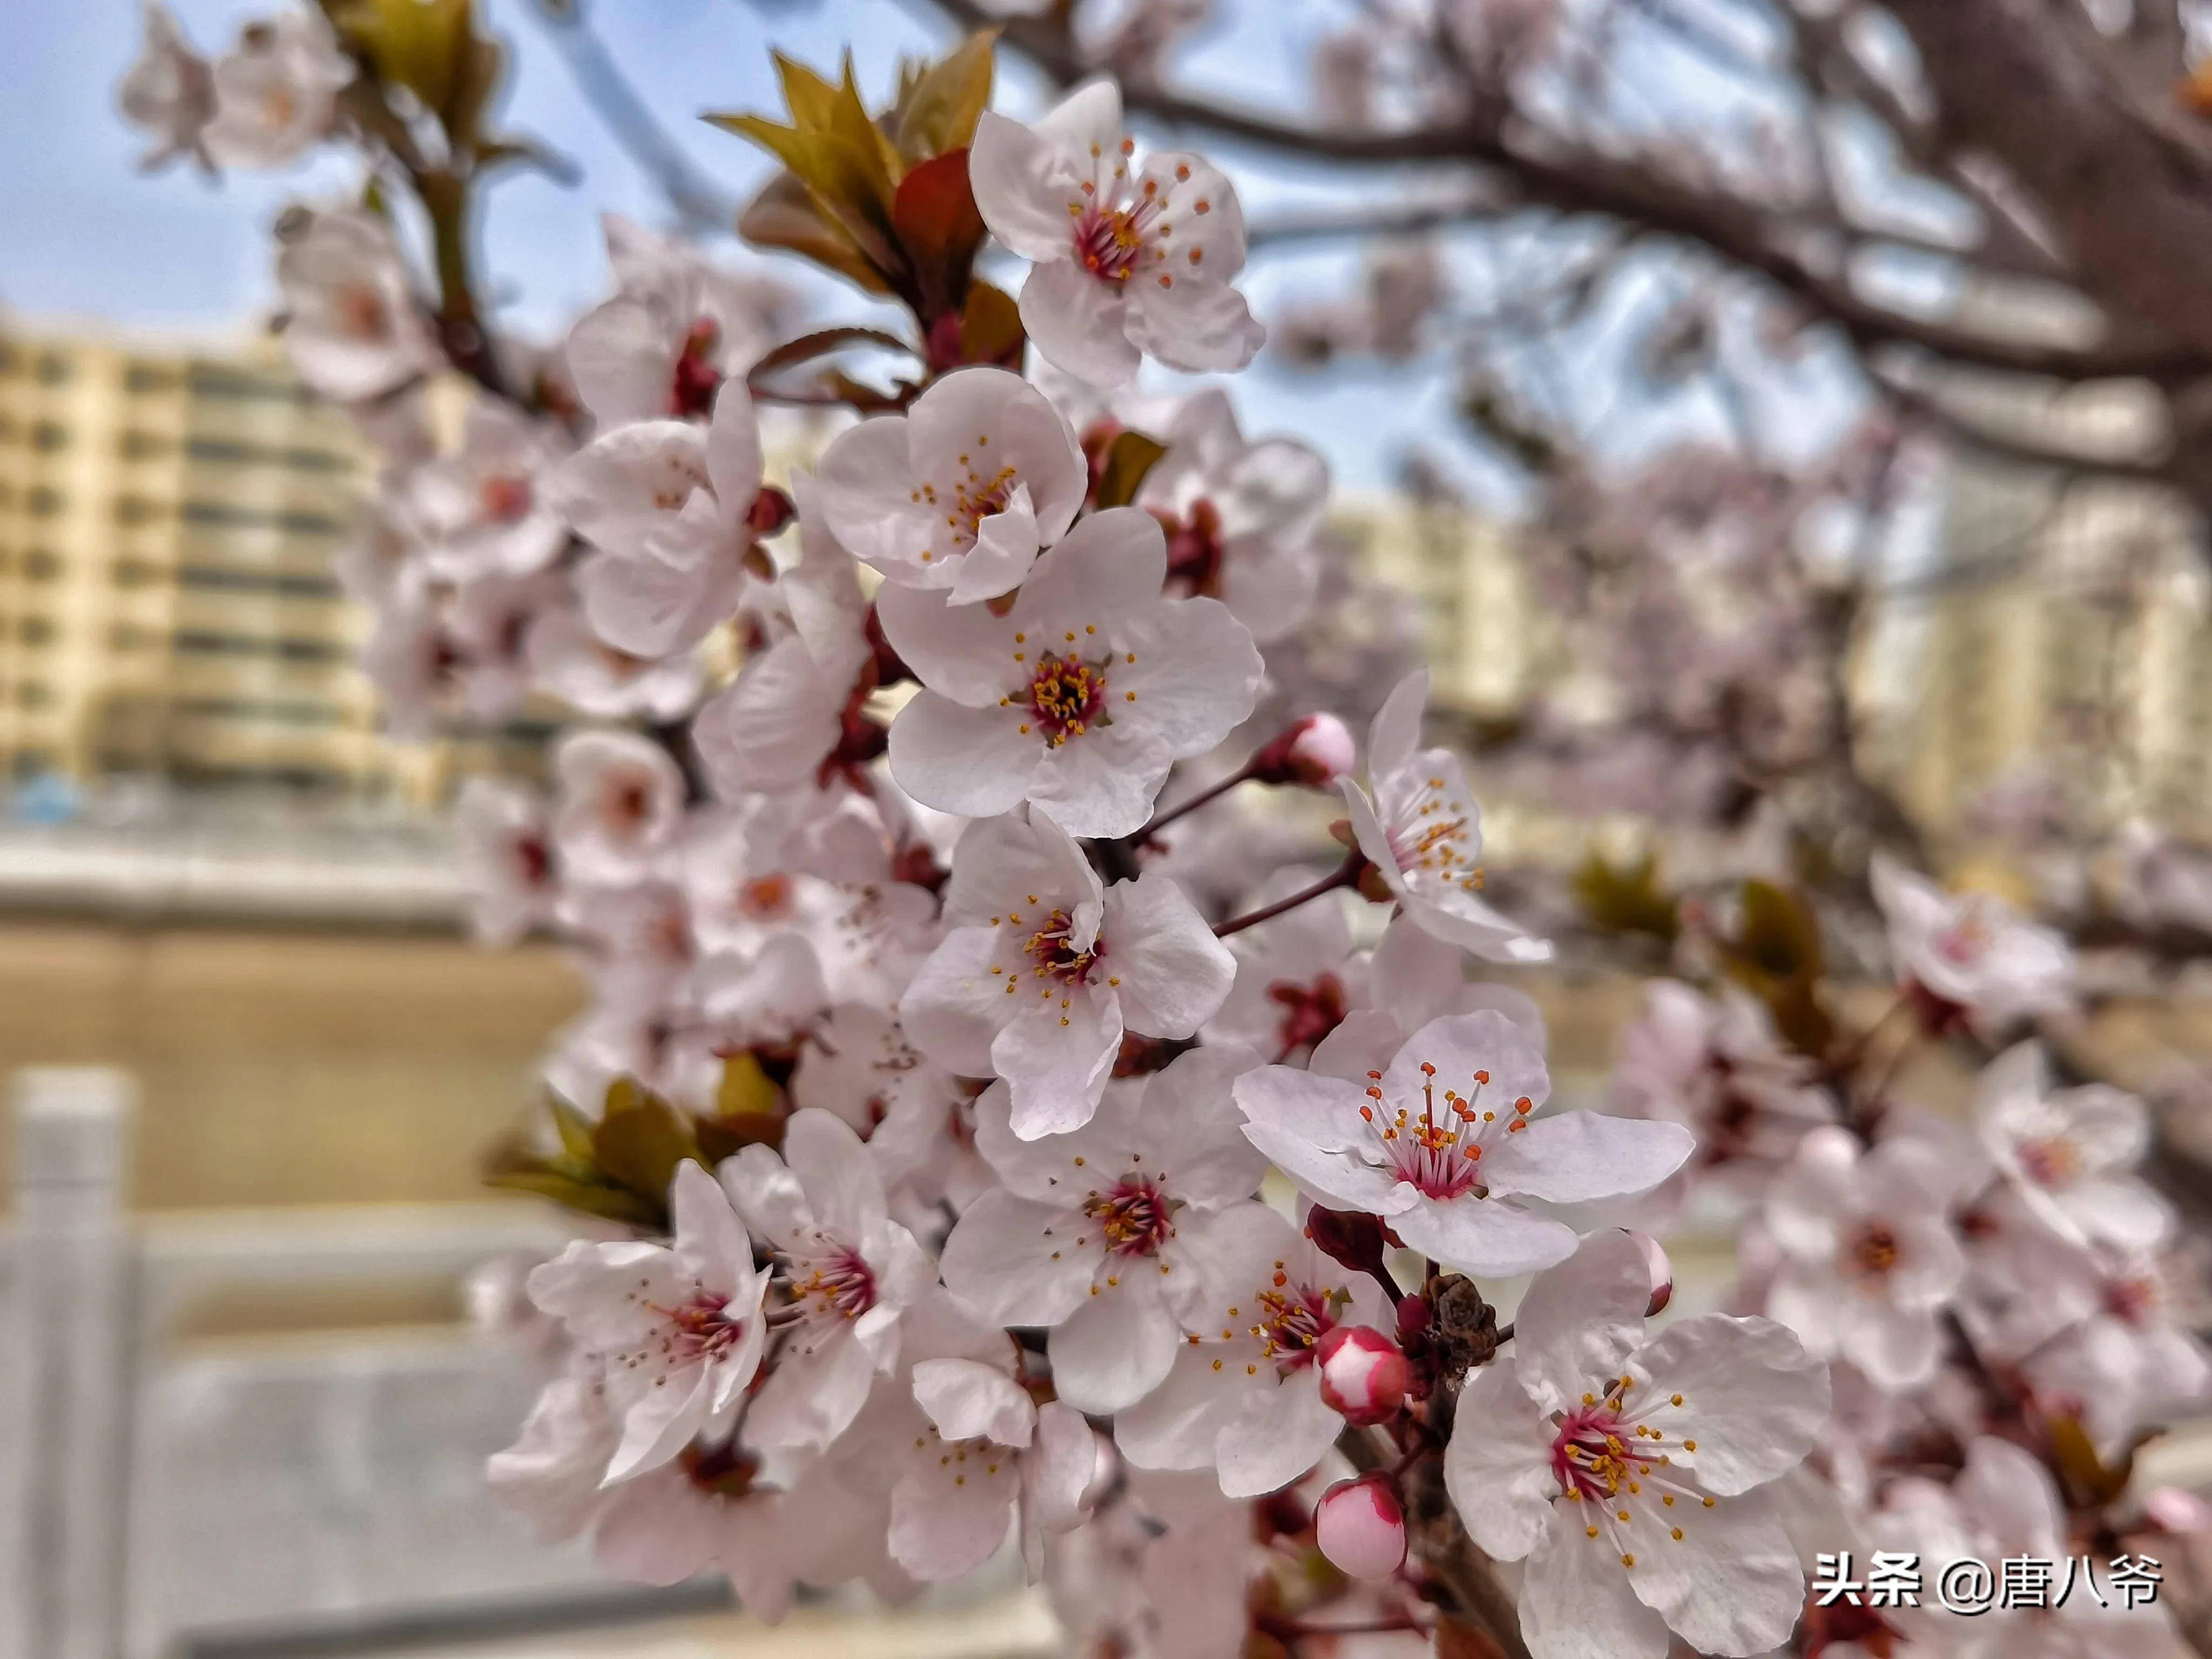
(947, 1521)
(1489, 1238)
(1195, 676)
(968, 1400)
(2126, 1214)
(1570, 1158)
(1277, 1434)
(1900, 1348)
(1117, 1347)
(812, 1394)
(1806, 1204)
(1374, 841)
(1752, 1399)
(1322, 1110)
(627, 485)
(768, 1196)
(1177, 1425)
(1498, 1468)
(1059, 1476)
(1577, 1602)
(867, 478)
(1000, 1260)
(1087, 123)
(771, 728)
(1076, 322)
(1366, 1041)
(733, 449)
(710, 1238)
(1396, 730)
(1270, 591)
(648, 607)
(1338, 1180)
(959, 651)
(1578, 1323)
(1483, 1057)
(954, 1006)
(972, 762)
(1005, 547)
(1174, 973)
(1022, 183)
(660, 1423)
(841, 1179)
(654, 1534)
(977, 424)
(1191, 1122)
(756, 1548)
(1198, 327)
(620, 360)
(1109, 567)
(1730, 1584)
(1057, 1056)
(1102, 784)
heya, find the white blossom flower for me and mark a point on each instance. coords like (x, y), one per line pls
(1423, 833)
(668, 506)
(678, 1328)
(2070, 1150)
(276, 90)
(1634, 1475)
(1128, 260)
(1243, 1396)
(676, 329)
(1414, 977)
(1444, 1145)
(848, 1268)
(918, 1119)
(621, 804)
(1297, 975)
(1080, 698)
(1044, 968)
(553, 1475)
(350, 322)
(2132, 1362)
(603, 682)
(1104, 1234)
(507, 849)
(1969, 953)
(961, 493)
(1870, 1259)
(167, 91)
(1240, 516)
(480, 511)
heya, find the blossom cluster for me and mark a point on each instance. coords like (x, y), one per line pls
(976, 1148)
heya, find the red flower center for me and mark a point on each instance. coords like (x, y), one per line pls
(1066, 695)
(1133, 1217)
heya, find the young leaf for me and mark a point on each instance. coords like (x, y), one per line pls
(1128, 458)
(934, 214)
(939, 107)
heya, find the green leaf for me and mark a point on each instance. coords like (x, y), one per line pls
(612, 1203)
(1626, 900)
(640, 1140)
(427, 47)
(939, 107)
(573, 1127)
(934, 214)
(1781, 936)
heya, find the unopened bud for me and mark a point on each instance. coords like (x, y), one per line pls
(771, 510)
(1662, 1271)
(1364, 1375)
(1348, 1237)
(1315, 751)
(1360, 1526)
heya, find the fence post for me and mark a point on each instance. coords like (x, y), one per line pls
(62, 1542)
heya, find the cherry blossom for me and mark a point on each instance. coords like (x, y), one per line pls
(1240, 516)
(1102, 1234)
(481, 511)
(1243, 1396)
(2068, 1152)
(1444, 1146)
(276, 90)
(1297, 976)
(1969, 955)
(1636, 1476)
(568, 658)
(961, 492)
(350, 322)
(1423, 832)
(621, 804)
(1129, 260)
(1027, 913)
(167, 91)
(1360, 1526)
(1080, 698)
(1869, 1257)
(506, 846)
(842, 1264)
(676, 330)
(677, 1329)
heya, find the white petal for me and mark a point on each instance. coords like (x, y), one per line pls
(771, 728)
(1731, 1585)
(972, 762)
(1578, 1323)
(1200, 327)
(1277, 1435)
(1116, 1347)
(1568, 1158)
(999, 1260)
(968, 1400)
(1022, 183)
(733, 450)
(1196, 673)
(1487, 1237)
(954, 1006)
(1498, 1468)
(1076, 322)
(1752, 1399)
(1174, 972)
(1005, 547)
(1575, 1602)
(1057, 1056)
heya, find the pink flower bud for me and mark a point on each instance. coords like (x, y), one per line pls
(1662, 1271)
(770, 511)
(1361, 1527)
(1315, 751)
(1364, 1377)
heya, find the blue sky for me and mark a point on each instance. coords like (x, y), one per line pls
(94, 238)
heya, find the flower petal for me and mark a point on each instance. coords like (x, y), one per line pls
(1498, 1468)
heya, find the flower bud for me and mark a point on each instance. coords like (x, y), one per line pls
(1349, 1238)
(1662, 1271)
(770, 511)
(1315, 751)
(1364, 1377)
(1361, 1527)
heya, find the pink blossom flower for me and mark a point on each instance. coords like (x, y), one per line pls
(1445, 1146)
(276, 91)
(507, 849)
(1128, 259)
(1045, 967)
(1634, 1475)
(621, 804)
(2069, 1151)
(1080, 698)
(350, 323)
(1970, 952)
(482, 510)
(167, 91)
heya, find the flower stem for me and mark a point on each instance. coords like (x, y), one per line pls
(1161, 820)
(1343, 876)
